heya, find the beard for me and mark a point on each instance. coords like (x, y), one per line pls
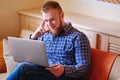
(56, 31)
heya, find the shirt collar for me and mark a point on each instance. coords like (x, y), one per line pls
(68, 24)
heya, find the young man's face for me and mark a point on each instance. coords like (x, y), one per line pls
(53, 19)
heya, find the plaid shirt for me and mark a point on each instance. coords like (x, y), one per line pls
(70, 48)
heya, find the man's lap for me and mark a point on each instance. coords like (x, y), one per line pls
(29, 71)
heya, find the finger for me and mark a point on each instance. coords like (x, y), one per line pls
(55, 65)
(43, 29)
(42, 24)
(50, 69)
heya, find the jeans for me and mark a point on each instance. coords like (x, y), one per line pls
(28, 71)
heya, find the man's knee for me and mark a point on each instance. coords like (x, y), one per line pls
(26, 66)
(22, 64)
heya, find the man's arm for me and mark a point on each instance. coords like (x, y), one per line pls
(82, 58)
(39, 31)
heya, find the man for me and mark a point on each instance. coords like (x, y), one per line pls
(68, 49)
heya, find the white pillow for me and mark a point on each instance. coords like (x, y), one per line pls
(10, 63)
(115, 71)
(25, 33)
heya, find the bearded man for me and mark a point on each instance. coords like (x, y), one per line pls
(68, 49)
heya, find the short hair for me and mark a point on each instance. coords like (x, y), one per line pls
(51, 5)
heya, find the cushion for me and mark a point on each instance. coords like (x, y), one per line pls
(25, 33)
(115, 71)
(101, 64)
(3, 76)
(10, 63)
(2, 62)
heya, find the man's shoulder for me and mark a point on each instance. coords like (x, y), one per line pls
(71, 28)
(76, 31)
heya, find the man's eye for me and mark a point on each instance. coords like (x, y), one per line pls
(52, 19)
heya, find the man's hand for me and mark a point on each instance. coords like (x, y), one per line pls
(57, 70)
(39, 31)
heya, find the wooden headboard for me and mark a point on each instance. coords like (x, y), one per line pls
(30, 19)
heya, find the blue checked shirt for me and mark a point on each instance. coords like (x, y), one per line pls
(70, 48)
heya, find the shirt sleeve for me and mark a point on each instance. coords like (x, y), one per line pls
(82, 57)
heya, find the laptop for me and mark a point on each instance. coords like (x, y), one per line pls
(25, 50)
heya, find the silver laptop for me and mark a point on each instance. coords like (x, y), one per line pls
(25, 50)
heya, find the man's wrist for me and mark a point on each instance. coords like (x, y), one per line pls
(30, 37)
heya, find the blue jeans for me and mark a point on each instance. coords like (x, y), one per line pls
(28, 71)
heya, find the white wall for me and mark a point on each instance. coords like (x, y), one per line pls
(9, 20)
(94, 8)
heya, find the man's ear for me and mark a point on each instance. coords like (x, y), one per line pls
(62, 14)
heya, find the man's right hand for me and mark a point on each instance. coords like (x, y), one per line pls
(39, 31)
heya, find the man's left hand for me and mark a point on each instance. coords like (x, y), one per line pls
(57, 69)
